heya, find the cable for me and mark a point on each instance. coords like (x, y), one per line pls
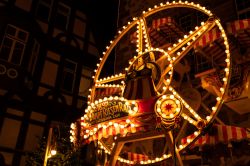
(117, 24)
(174, 148)
(118, 14)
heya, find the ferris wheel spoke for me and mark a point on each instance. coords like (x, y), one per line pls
(180, 49)
(181, 134)
(148, 44)
(189, 119)
(209, 111)
(144, 43)
(189, 40)
(185, 104)
(110, 79)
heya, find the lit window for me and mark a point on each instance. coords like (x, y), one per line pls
(13, 44)
(62, 16)
(44, 9)
(68, 77)
(33, 57)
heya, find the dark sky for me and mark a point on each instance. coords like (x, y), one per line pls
(103, 18)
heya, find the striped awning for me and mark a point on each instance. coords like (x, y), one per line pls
(103, 92)
(222, 134)
(235, 26)
(137, 157)
(216, 52)
(209, 37)
(241, 30)
(217, 49)
(157, 23)
(163, 31)
(112, 131)
(144, 121)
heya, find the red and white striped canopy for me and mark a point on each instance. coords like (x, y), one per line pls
(135, 157)
(163, 30)
(157, 23)
(224, 134)
(102, 92)
(241, 30)
(216, 51)
(209, 37)
(235, 26)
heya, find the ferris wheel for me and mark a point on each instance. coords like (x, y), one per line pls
(147, 112)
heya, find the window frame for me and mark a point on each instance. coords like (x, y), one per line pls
(66, 15)
(34, 56)
(245, 11)
(67, 70)
(15, 39)
(45, 4)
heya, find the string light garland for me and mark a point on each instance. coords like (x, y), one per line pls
(173, 55)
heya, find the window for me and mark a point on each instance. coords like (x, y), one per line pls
(244, 15)
(62, 16)
(33, 57)
(68, 77)
(85, 82)
(243, 8)
(242, 4)
(13, 44)
(44, 10)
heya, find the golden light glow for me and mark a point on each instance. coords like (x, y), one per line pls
(174, 54)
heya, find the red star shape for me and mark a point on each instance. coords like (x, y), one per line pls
(168, 107)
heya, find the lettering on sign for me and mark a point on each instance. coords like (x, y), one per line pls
(108, 110)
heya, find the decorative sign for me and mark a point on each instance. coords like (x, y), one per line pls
(168, 108)
(108, 110)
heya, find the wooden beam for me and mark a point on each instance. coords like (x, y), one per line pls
(175, 153)
(115, 153)
(142, 136)
(191, 157)
(205, 73)
(208, 57)
(132, 138)
(209, 111)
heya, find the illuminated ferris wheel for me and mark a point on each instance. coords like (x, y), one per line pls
(143, 111)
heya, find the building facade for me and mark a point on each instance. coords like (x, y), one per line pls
(231, 14)
(47, 52)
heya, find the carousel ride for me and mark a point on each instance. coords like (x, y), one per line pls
(140, 115)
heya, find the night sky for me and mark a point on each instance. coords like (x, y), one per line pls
(103, 19)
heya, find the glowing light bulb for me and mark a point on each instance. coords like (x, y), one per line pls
(53, 152)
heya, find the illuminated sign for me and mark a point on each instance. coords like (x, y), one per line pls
(108, 110)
